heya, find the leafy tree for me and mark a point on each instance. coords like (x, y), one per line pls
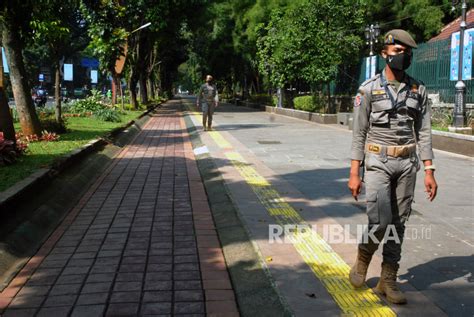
(61, 29)
(309, 41)
(15, 17)
(422, 18)
(107, 29)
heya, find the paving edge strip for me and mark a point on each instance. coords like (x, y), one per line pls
(252, 282)
(42, 176)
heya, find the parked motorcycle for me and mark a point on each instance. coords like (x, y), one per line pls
(40, 97)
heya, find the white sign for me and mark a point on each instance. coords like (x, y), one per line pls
(467, 55)
(5, 64)
(370, 66)
(94, 77)
(68, 72)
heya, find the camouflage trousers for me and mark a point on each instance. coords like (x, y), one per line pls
(207, 113)
(390, 184)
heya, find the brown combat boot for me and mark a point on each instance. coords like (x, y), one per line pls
(387, 285)
(359, 270)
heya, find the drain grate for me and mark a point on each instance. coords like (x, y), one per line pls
(268, 142)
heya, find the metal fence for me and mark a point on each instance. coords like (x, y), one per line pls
(431, 64)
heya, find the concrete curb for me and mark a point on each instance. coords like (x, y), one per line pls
(445, 141)
(304, 115)
(251, 281)
(453, 142)
(42, 176)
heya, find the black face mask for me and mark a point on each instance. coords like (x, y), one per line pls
(399, 62)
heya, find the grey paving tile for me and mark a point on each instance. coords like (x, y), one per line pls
(60, 300)
(92, 299)
(122, 310)
(88, 311)
(126, 297)
(157, 296)
(156, 308)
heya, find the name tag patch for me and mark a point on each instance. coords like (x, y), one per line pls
(376, 92)
(380, 97)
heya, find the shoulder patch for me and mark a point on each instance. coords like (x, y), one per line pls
(358, 100)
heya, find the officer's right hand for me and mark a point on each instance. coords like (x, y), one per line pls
(355, 185)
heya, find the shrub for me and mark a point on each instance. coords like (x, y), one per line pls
(15, 116)
(8, 152)
(48, 121)
(88, 105)
(93, 105)
(107, 114)
(49, 136)
(274, 102)
(441, 118)
(305, 103)
(52, 125)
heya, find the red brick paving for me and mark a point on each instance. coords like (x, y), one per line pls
(140, 241)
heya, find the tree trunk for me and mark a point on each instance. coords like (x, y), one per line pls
(143, 88)
(115, 87)
(132, 86)
(328, 85)
(29, 121)
(150, 88)
(6, 120)
(57, 92)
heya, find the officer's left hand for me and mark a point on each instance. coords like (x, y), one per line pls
(430, 186)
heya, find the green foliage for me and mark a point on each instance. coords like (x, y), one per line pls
(107, 22)
(14, 113)
(309, 41)
(441, 118)
(94, 105)
(48, 121)
(422, 18)
(51, 125)
(306, 103)
(108, 115)
(40, 154)
(91, 104)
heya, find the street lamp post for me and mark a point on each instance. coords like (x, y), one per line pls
(459, 117)
(372, 33)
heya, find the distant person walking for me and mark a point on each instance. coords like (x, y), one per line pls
(208, 99)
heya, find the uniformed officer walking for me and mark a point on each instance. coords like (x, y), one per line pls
(208, 98)
(391, 120)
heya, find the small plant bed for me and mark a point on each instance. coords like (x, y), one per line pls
(41, 153)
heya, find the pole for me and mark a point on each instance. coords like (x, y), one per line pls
(460, 100)
(371, 41)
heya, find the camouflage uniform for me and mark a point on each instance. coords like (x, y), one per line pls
(391, 120)
(207, 99)
(387, 126)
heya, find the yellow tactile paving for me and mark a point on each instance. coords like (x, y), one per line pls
(326, 264)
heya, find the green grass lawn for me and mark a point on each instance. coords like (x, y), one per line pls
(41, 154)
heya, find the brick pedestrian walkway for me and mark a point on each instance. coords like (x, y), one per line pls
(141, 242)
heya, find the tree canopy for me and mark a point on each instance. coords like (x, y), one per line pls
(248, 45)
